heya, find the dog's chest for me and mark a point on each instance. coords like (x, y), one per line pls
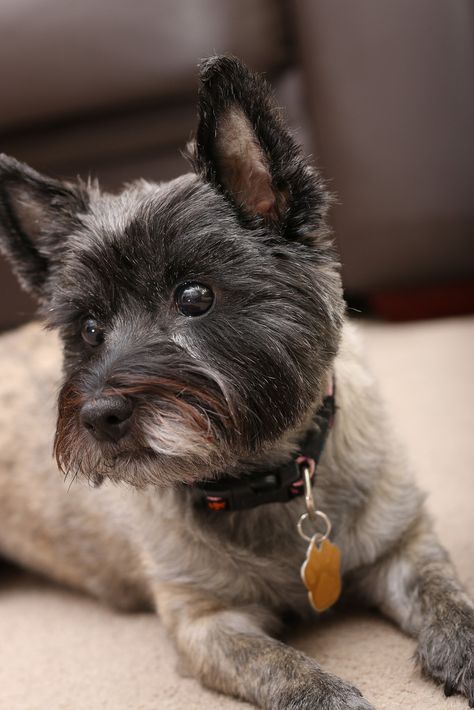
(246, 557)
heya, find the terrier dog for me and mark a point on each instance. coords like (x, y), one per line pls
(210, 377)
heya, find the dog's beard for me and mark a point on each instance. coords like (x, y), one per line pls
(181, 430)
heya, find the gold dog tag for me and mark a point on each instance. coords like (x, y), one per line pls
(321, 573)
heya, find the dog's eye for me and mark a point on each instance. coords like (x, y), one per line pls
(193, 299)
(92, 333)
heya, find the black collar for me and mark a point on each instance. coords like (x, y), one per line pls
(277, 485)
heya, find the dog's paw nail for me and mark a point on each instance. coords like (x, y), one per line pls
(448, 688)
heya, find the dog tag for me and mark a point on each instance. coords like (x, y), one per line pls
(321, 573)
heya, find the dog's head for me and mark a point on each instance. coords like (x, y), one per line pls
(199, 317)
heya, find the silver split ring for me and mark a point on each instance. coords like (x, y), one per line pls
(320, 536)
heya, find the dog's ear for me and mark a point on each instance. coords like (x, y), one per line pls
(244, 148)
(36, 215)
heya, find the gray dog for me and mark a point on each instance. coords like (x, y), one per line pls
(216, 398)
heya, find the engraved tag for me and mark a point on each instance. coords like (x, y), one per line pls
(321, 574)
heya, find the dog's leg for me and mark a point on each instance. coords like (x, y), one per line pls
(228, 650)
(416, 586)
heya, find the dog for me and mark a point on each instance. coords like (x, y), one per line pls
(215, 397)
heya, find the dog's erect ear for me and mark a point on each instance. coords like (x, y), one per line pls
(36, 215)
(243, 147)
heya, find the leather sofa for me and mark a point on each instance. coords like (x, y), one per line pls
(382, 94)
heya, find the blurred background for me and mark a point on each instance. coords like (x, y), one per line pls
(381, 94)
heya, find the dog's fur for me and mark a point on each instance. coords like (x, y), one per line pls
(230, 391)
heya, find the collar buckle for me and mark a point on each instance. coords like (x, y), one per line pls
(278, 486)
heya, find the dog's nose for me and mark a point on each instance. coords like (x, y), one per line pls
(107, 418)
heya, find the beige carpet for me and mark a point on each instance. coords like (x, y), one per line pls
(61, 651)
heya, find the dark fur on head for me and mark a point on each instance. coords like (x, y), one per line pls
(213, 391)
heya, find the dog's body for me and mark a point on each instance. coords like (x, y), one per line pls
(139, 538)
(236, 397)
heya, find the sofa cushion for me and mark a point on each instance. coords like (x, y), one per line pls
(60, 58)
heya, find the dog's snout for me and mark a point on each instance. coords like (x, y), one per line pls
(107, 418)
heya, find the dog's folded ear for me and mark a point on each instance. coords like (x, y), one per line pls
(243, 147)
(36, 215)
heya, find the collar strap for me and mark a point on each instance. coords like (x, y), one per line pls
(275, 486)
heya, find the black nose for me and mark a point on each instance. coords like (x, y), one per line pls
(107, 418)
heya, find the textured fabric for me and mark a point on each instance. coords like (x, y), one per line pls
(61, 651)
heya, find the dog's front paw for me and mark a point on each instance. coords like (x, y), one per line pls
(332, 693)
(446, 652)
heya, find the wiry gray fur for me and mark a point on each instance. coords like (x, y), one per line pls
(233, 390)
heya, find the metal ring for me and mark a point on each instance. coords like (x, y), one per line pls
(319, 536)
